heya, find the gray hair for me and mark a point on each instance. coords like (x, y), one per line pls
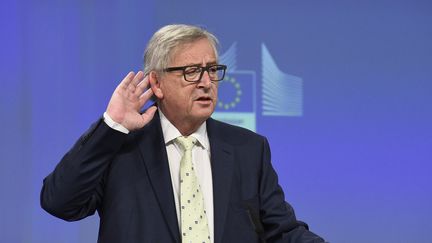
(160, 48)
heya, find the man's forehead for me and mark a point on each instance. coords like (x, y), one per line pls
(194, 51)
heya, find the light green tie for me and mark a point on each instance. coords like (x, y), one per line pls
(194, 226)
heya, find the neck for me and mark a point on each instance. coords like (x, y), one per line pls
(185, 127)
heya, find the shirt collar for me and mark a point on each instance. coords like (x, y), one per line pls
(170, 132)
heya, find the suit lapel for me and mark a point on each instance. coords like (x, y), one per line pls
(152, 147)
(222, 162)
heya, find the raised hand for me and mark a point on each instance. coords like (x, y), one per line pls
(128, 99)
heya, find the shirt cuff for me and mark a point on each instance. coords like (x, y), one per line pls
(114, 125)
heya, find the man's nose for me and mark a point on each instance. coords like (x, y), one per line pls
(205, 81)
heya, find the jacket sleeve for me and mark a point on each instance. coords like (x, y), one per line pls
(74, 189)
(279, 223)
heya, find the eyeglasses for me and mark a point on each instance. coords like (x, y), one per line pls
(194, 73)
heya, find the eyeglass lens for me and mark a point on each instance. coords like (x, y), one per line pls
(194, 73)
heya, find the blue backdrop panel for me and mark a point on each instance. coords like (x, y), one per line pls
(342, 90)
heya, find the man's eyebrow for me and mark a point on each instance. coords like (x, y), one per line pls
(199, 64)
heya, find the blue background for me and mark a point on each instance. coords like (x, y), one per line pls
(356, 166)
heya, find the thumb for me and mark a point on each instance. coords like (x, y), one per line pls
(148, 114)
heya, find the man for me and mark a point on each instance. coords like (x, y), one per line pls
(175, 175)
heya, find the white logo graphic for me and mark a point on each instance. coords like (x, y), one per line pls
(281, 93)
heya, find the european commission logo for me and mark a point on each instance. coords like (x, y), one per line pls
(281, 93)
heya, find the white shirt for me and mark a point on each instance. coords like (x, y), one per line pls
(200, 159)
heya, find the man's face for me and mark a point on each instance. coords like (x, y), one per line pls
(189, 102)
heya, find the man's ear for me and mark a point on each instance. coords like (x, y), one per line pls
(155, 84)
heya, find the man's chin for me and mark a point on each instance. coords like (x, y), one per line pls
(204, 112)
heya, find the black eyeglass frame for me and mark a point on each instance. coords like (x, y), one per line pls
(203, 69)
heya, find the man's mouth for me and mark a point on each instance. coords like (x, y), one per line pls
(204, 99)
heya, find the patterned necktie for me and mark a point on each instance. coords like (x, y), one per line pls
(194, 226)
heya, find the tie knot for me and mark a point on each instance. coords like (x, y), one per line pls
(186, 143)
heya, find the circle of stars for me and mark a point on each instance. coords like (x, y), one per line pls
(233, 103)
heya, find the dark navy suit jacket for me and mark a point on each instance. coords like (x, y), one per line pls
(126, 178)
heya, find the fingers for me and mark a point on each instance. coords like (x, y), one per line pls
(135, 88)
(145, 97)
(136, 80)
(142, 85)
(138, 77)
(124, 84)
(131, 81)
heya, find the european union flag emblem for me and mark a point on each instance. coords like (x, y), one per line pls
(236, 102)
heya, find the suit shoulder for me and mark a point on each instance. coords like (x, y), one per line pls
(232, 132)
